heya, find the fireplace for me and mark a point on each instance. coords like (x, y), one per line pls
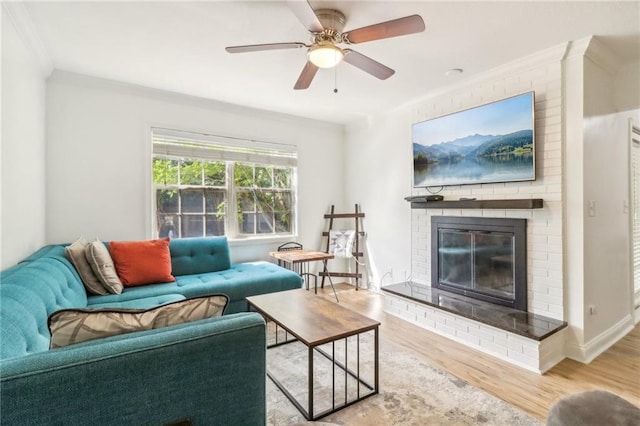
(483, 258)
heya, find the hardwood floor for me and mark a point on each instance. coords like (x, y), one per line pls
(617, 370)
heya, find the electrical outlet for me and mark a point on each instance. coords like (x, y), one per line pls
(591, 210)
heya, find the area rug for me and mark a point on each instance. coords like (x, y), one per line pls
(412, 392)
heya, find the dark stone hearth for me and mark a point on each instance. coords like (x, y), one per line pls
(526, 324)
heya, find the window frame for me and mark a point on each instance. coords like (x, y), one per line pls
(232, 226)
(178, 187)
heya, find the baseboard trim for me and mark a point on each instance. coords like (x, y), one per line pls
(592, 349)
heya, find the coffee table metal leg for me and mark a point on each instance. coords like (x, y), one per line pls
(375, 362)
(343, 367)
(288, 394)
(333, 375)
(309, 415)
(346, 363)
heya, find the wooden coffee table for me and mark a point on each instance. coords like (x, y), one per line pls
(315, 321)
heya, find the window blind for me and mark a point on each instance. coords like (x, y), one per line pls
(178, 144)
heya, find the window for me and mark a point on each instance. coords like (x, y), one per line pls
(208, 185)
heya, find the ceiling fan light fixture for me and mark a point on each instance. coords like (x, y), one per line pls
(325, 55)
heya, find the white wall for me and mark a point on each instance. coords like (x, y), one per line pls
(575, 260)
(574, 206)
(378, 177)
(598, 288)
(606, 231)
(98, 157)
(607, 236)
(382, 155)
(22, 228)
(626, 87)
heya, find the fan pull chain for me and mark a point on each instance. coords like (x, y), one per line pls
(335, 79)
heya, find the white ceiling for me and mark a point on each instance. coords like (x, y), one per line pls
(179, 46)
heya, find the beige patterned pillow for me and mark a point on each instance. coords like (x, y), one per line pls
(98, 256)
(75, 253)
(71, 326)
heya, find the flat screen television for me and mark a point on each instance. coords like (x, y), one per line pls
(490, 143)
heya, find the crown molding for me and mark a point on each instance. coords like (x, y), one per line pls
(554, 54)
(600, 54)
(547, 56)
(595, 50)
(551, 55)
(60, 77)
(578, 47)
(21, 19)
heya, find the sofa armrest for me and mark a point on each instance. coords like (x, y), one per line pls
(210, 372)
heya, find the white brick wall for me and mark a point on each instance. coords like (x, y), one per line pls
(527, 353)
(544, 231)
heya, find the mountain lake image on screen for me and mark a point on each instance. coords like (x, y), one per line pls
(489, 143)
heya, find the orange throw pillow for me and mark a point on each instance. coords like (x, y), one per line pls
(142, 262)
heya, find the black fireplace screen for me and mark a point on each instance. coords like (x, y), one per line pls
(481, 257)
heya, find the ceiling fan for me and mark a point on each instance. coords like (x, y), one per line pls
(325, 27)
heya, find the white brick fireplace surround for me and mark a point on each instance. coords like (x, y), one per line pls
(537, 356)
(541, 73)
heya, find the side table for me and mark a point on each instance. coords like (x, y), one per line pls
(298, 261)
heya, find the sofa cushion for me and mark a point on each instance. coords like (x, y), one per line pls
(141, 303)
(72, 326)
(142, 262)
(49, 266)
(76, 254)
(21, 333)
(29, 293)
(242, 280)
(100, 260)
(237, 282)
(199, 255)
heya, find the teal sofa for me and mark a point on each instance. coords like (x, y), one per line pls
(208, 372)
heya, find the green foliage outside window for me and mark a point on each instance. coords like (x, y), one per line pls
(184, 207)
(191, 173)
(192, 197)
(165, 172)
(215, 174)
(264, 200)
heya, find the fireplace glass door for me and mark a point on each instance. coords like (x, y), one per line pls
(477, 261)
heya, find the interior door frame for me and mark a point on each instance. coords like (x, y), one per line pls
(634, 210)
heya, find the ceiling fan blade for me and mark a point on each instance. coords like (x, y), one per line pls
(367, 64)
(305, 14)
(306, 76)
(397, 27)
(268, 46)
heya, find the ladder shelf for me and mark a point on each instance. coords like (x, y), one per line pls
(357, 216)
